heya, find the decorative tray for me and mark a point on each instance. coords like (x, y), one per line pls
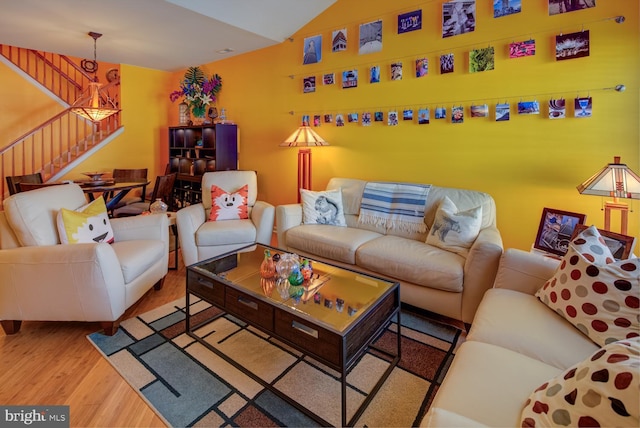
(88, 183)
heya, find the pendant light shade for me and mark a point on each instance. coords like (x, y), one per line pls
(94, 104)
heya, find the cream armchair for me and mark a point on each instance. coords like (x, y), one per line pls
(201, 239)
(43, 280)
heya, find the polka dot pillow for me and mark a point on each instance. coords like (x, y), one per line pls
(600, 299)
(597, 392)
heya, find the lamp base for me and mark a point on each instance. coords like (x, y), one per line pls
(624, 215)
(304, 171)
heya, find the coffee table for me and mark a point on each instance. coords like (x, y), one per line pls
(335, 321)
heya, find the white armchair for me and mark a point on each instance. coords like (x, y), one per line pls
(201, 239)
(43, 280)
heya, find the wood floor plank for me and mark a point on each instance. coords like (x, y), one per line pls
(53, 363)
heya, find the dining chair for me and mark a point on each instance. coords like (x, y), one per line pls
(26, 186)
(12, 181)
(163, 189)
(132, 174)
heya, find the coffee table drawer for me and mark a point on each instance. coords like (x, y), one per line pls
(252, 310)
(310, 338)
(206, 288)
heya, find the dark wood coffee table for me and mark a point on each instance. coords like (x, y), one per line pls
(335, 321)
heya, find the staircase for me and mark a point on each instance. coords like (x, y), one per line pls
(55, 146)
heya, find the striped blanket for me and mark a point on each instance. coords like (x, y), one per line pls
(394, 205)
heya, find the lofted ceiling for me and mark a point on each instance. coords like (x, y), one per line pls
(159, 34)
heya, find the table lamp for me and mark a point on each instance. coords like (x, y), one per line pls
(304, 136)
(618, 181)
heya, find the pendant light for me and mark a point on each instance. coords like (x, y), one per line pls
(94, 103)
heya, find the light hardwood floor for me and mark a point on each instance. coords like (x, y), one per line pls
(53, 363)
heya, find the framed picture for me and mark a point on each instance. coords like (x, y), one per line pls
(621, 246)
(555, 230)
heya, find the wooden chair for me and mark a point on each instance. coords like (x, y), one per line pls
(25, 186)
(13, 181)
(121, 175)
(163, 189)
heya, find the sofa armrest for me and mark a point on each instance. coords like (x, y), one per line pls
(480, 270)
(524, 271)
(287, 216)
(189, 219)
(263, 217)
(61, 282)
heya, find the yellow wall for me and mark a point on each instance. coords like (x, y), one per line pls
(527, 164)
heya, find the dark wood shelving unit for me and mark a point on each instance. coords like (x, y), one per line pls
(194, 150)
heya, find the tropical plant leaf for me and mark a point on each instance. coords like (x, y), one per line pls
(194, 75)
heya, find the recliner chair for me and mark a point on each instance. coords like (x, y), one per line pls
(44, 280)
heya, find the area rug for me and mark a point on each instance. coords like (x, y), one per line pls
(187, 384)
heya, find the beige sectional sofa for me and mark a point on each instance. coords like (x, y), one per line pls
(515, 346)
(445, 282)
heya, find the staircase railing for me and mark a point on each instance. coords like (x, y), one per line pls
(52, 145)
(55, 72)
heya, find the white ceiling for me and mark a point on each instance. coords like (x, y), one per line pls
(159, 34)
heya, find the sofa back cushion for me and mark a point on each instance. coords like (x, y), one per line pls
(32, 215)
(464, 200)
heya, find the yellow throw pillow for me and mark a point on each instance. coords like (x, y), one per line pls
(88, 224)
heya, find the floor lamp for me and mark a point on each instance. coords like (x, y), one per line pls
(618, 181)
(304, 136)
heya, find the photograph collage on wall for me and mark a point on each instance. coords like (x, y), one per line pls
(557, 109)
(521, 49)
(339, 40)
(374, 74)
(563, 6)
(458, 17)
(446, 63)
(481, 60)
(574, 45)
(503, 112)
(312, 50)
(422, 67)
(410, 21)
(506, 7)
(370, 37)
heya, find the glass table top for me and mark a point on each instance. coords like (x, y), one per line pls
(333, 297)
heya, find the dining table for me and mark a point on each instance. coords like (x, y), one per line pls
(111, 191)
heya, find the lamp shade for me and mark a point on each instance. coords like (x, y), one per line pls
(94, 104)
(304, 136)
(615, 180)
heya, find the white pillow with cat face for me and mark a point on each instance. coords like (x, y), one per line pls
(322, 207)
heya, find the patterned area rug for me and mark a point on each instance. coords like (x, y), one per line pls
(189, 385)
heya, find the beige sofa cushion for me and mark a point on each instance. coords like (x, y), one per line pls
(330, 242)
(412, 261)
(520, 322)
(489, 384)
(137, 256)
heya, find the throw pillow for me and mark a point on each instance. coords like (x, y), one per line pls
(454, 230)
(597, 392)
(599, 299)
(322, 207)
(87, 224)
(229, 205)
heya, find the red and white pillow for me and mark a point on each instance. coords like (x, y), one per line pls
(594, 292)
(601, 391)
(229, 205)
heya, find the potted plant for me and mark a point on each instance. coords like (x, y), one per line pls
(198, 91)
